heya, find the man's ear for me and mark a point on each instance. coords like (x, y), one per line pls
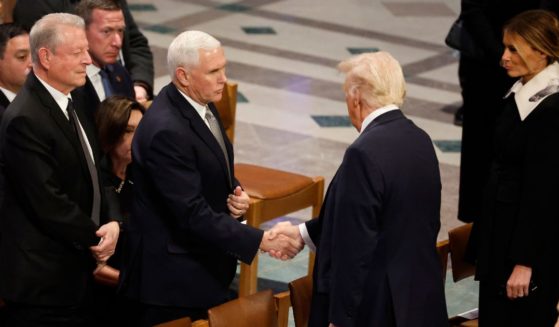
(45, 57)
(183, 76)
(357, 100)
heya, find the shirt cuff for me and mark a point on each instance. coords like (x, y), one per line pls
(305, 235)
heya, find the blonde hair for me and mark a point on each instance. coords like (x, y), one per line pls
(377, 76)
(540, 30)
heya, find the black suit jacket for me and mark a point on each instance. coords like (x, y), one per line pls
(376, 262)
(138, 57)
(120, 81)
(520, 220)
(4, 102)
(45, 224)
(182, 244)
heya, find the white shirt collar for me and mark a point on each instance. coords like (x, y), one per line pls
(9, 94)
(95, 79)
(200, 109)
(373, 115)
(60, 98)
(523, 92)
(92, 70)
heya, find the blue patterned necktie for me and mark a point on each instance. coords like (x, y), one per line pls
(104, 72)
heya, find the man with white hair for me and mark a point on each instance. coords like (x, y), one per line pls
(184, 236)
(376, 235)
(53, 203)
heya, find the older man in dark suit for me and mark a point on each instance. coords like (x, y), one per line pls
(53, 203)
(184, 237)
(376, 261)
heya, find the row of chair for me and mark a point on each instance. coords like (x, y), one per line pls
(259, 309)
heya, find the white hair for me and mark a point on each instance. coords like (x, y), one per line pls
(377, 76)
(184, 50)
(46, 32)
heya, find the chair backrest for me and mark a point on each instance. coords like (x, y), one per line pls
(300, 291)
(181, 322)
(227, 108)
(442, 250)
(257, 309)
(458, 241)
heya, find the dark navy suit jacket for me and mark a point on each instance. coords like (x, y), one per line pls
(182, 245)
(376, 261)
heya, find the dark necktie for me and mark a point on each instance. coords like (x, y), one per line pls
(216, 131)
(96, 208)
(105, 79)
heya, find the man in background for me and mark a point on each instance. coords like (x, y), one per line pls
(104, 28)
(15, 62)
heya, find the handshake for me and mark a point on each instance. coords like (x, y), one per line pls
(283, 241)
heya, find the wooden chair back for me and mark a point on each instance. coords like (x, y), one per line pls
(300, 291)
(458, 241)
(257, 309)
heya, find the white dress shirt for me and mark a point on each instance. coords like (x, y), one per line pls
(62, 100)
(200, 109)
(9, 94)
(523, 92)
(95, 78)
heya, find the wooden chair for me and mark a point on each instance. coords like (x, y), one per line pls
(300, 291)
(442, 250)
(254, 310)
(458, 241)
(273, 193)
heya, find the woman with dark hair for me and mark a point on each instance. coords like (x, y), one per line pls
(117, 119)
(516, 237)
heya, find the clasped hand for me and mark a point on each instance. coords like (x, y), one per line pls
(283, 241)
(238, 202)
(109, 236)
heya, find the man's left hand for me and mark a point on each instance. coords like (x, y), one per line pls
(106, 247)
(238, 202)
(519, 282)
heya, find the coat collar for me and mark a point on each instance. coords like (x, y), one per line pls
(199, 126)
(384, 119)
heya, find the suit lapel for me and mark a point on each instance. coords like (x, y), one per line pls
(58, 117)
(200, 128)
(4, 102)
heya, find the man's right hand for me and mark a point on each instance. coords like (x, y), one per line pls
(283, 246)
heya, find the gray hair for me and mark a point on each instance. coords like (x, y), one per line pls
(183, 51)
(377, 76)
(46, 32)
